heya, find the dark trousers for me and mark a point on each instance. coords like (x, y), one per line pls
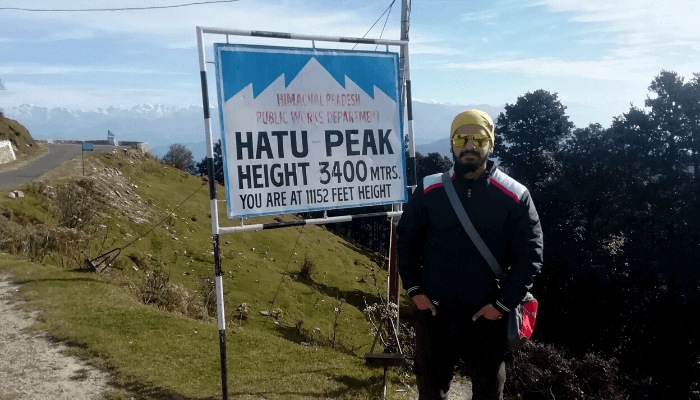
(441, 343)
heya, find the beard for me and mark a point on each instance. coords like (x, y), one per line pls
(463, 167)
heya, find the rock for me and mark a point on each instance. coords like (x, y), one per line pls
(11, 195)
(265, 313)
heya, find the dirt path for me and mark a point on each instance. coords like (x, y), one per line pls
(32, 367)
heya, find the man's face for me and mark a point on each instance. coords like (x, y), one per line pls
(471, 155)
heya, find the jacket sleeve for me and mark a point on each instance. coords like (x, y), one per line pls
(411, 233)
(525, 237)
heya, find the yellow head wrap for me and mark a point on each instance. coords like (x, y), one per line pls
(473, 117)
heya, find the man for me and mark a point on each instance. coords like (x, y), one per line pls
(462, 307)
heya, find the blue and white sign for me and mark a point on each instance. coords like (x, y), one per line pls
(309, 129)
(87, 146)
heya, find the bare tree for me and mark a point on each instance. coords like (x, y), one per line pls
(179, 157)
(2, 87)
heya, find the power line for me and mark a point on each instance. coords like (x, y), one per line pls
(375, 22)
(385, 21)
(116, 9)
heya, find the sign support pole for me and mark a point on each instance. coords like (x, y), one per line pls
(218, 274)
(406, 80)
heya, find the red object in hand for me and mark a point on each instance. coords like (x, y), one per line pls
(423, 303)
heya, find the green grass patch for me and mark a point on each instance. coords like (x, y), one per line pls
(154, 351)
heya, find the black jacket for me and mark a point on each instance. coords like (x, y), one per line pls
(436, 257)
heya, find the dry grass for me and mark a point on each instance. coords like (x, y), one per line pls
(159, 291)
(37, 242)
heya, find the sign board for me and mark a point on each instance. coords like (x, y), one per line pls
(87, 146)
(309, 129)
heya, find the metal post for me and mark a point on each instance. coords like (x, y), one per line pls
(404, 31)
(393, 266)
(393, 295)
(218, 274)
(406, 81)
(82, 156)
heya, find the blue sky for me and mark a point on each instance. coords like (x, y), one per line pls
(598, 55)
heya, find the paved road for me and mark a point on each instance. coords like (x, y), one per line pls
(58, 153)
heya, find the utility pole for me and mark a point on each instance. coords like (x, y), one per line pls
(404, 66)
(405, 80)
(404, 36)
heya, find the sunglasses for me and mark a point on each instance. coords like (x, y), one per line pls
(462, 140)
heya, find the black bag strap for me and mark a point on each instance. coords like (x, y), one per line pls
(469, 227)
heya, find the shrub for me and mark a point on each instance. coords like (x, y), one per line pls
(541, 371)
(20, 218)
(9, 235)
(307, 268)
(154, 288)
(159, 291)
(37, 188)
(77, 203)
(179, 157)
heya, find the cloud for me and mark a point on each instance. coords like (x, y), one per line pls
(632, 70)
(477, 16)
(90, 97)
(426, 43)
(74, 34)
(433, 48)
(175, 28)
(644, 25)
(42, 69)
(633, 41)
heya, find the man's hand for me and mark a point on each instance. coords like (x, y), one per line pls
(423, 303)
(489, 312)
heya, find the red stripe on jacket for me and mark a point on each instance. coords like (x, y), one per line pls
(506, 191)
(436, 185)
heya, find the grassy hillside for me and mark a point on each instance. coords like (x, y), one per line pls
(312, 348)
(11, 130)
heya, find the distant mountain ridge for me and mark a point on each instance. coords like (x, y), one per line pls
(162, 125)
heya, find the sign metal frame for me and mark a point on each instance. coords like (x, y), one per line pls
(306, 129)
(218, 230)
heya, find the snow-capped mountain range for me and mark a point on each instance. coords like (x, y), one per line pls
(161, 125)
